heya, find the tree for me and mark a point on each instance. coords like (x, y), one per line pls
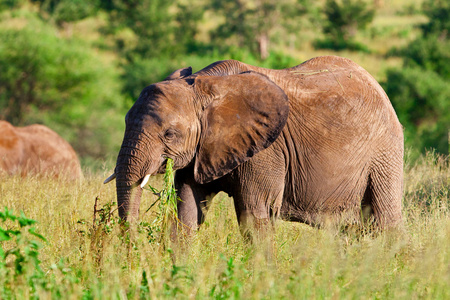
(145, 33)
(342, 21)
(186, 25)
(60, 83)
(420, 91)
(438, 13)
(151, 26)
(251, 24)
(68, 11)
(10, 4)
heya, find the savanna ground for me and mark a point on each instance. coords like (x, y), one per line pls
(83, 258)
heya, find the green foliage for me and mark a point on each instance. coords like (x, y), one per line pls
(19, 261)
(438, 13)
(143, 72)
(160, 229)
(151, 24)
(420, 91)
(33, 60)
(251, 25)
(179, 277)
(149, 35)
(342, 21)
(187, 22)
(229, 286)
(67, 11)
(58, 82)
(430, 53)
(279, 60)
(10, 4)
(420, 98)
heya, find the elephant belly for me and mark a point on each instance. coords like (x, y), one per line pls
(326, 198)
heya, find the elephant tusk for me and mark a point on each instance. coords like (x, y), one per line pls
(110, 178)
(145, 180)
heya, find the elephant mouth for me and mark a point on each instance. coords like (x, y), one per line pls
(162, 168)
(144, 180)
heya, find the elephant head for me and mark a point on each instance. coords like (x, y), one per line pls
(211, 123)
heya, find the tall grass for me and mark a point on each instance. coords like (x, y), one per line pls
(96, 259)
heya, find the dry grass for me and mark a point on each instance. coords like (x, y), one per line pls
(102, 262)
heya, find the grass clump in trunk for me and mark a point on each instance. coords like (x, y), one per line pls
(160, 229)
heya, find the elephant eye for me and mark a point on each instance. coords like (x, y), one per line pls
(170, 134)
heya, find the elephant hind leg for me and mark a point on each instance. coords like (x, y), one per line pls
(383, 196)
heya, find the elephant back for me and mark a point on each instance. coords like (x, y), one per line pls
(9, 138)
(49, 152)
(11, 148)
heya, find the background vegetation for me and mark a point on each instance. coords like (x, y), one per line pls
(77, 66)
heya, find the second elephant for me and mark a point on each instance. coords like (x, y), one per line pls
(36, 150)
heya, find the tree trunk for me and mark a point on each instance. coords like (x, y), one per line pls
(263, 46)
(378, 3)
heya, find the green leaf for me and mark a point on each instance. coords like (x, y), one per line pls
(24, 221)
(4, 235)
(33, 232)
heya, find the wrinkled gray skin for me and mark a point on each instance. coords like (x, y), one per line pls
(316, 142)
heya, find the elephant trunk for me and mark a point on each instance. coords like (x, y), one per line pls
(128, 190)
(133, 164)
(128, 199)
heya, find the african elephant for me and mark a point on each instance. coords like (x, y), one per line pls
(316, 142)
(36, 150)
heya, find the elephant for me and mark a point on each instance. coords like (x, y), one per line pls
(316, 143)
(36, 150)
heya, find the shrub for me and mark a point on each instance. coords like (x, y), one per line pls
(438, 13)
(431, 53)
(19, 255)
(62, 84)
(342, 20)
(420, 98)
(420, 91)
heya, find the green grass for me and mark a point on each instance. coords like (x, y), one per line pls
(99, 259)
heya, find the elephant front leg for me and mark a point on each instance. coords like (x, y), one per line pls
(192, 206)
(193, 202)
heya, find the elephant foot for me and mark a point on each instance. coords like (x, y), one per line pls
(258, 234)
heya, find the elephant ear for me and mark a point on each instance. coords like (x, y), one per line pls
(246, 116)
(180, 73)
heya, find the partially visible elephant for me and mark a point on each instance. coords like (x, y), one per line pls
(36, 150)
(316, 142)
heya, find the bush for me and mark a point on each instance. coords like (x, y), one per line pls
(431, 53)
(65, 11)
(420, 91)
(342, 20)
(62, 84)
(142, 72)
(420, 98)
(438, 13)
(19, 255)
